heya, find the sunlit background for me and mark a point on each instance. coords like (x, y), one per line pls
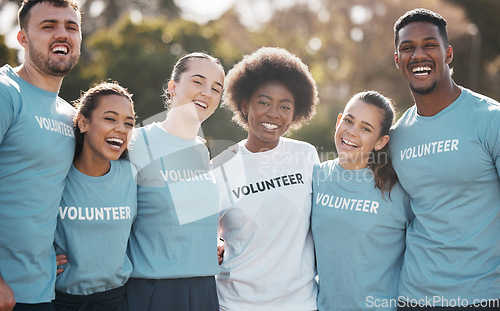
(347, 44)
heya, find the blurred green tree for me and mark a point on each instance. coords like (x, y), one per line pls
(348, 46)
(7, 55)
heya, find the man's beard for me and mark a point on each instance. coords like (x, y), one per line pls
(423, 90)
(49, 66)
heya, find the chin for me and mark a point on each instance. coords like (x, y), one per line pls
(423, 90)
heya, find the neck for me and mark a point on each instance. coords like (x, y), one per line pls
(39, 79)
(431, 104)
(347, 163)
(259, 146)
(92, 166)
(178, 125)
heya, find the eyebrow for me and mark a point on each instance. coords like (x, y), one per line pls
(270, 98)
(55, 21)
(425, 39)
(203, 77)
(116, 113)
(364, 122)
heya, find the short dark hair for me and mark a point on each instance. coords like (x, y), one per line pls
(265, 65)
(89, 100)
(182, 66)
(27, 5)
(421, 15)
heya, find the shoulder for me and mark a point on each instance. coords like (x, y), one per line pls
(9, 87)
(486, 111)
(139, 134)
(125, 168)
(481, 100)
(325, 168)
(64, 105)
(226, 155)
(403, 120)
(298, 145)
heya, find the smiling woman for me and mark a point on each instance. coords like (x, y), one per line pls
(100, 198)
(177, 197)
(264, 185)
(361, 209)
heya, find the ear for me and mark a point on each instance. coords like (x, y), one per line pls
(22, 38)
(339, 118)
(396, 60)
(382, 141)
(171, 87)
(82, 123)
(244, 108)
(449, 54)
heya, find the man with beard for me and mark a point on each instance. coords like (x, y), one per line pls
(36, 151)
(446, 152)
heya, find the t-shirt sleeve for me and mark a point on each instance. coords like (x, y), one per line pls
(6, 112)
(491, 138)
(407, 208)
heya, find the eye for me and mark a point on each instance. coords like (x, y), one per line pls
(197, 82)
(263, 102)
(348, 121)
(285, 107)
(406, 48)
(216, 90)
(109, 119)
(129, 124)
(366, 129)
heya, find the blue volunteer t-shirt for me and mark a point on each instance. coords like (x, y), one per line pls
(93, 227)
(450, 166)
(359, 238)
(175, 233)
(36, 150)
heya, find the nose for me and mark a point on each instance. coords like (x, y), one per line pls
(418, 52)
(121, 128)
(272, 111)
(352, 131)
(61, 32)
(207, 92)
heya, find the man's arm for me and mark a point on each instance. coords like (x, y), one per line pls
(7, 300)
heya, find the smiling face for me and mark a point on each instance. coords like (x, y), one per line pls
(51, 39)
(423, 57)
(108, 131)
(357, 134)
(270, 112)
(198, 91)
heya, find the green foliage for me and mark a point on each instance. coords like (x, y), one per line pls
(7, 55)
(141, 55)
(480, 52)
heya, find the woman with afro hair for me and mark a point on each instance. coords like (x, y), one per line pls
(264, 185)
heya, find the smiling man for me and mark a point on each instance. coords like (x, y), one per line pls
(446, 152)
(36, 151)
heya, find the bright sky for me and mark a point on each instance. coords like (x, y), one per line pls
(251, 12)
(202, 11)
(8, 17)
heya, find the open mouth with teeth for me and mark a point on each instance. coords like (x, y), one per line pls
(60, 50)
(421, 70)
(114, 143)
(349, 143)
(201, 104)
(270, 126)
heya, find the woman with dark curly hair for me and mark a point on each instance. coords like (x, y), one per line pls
(265, 189)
